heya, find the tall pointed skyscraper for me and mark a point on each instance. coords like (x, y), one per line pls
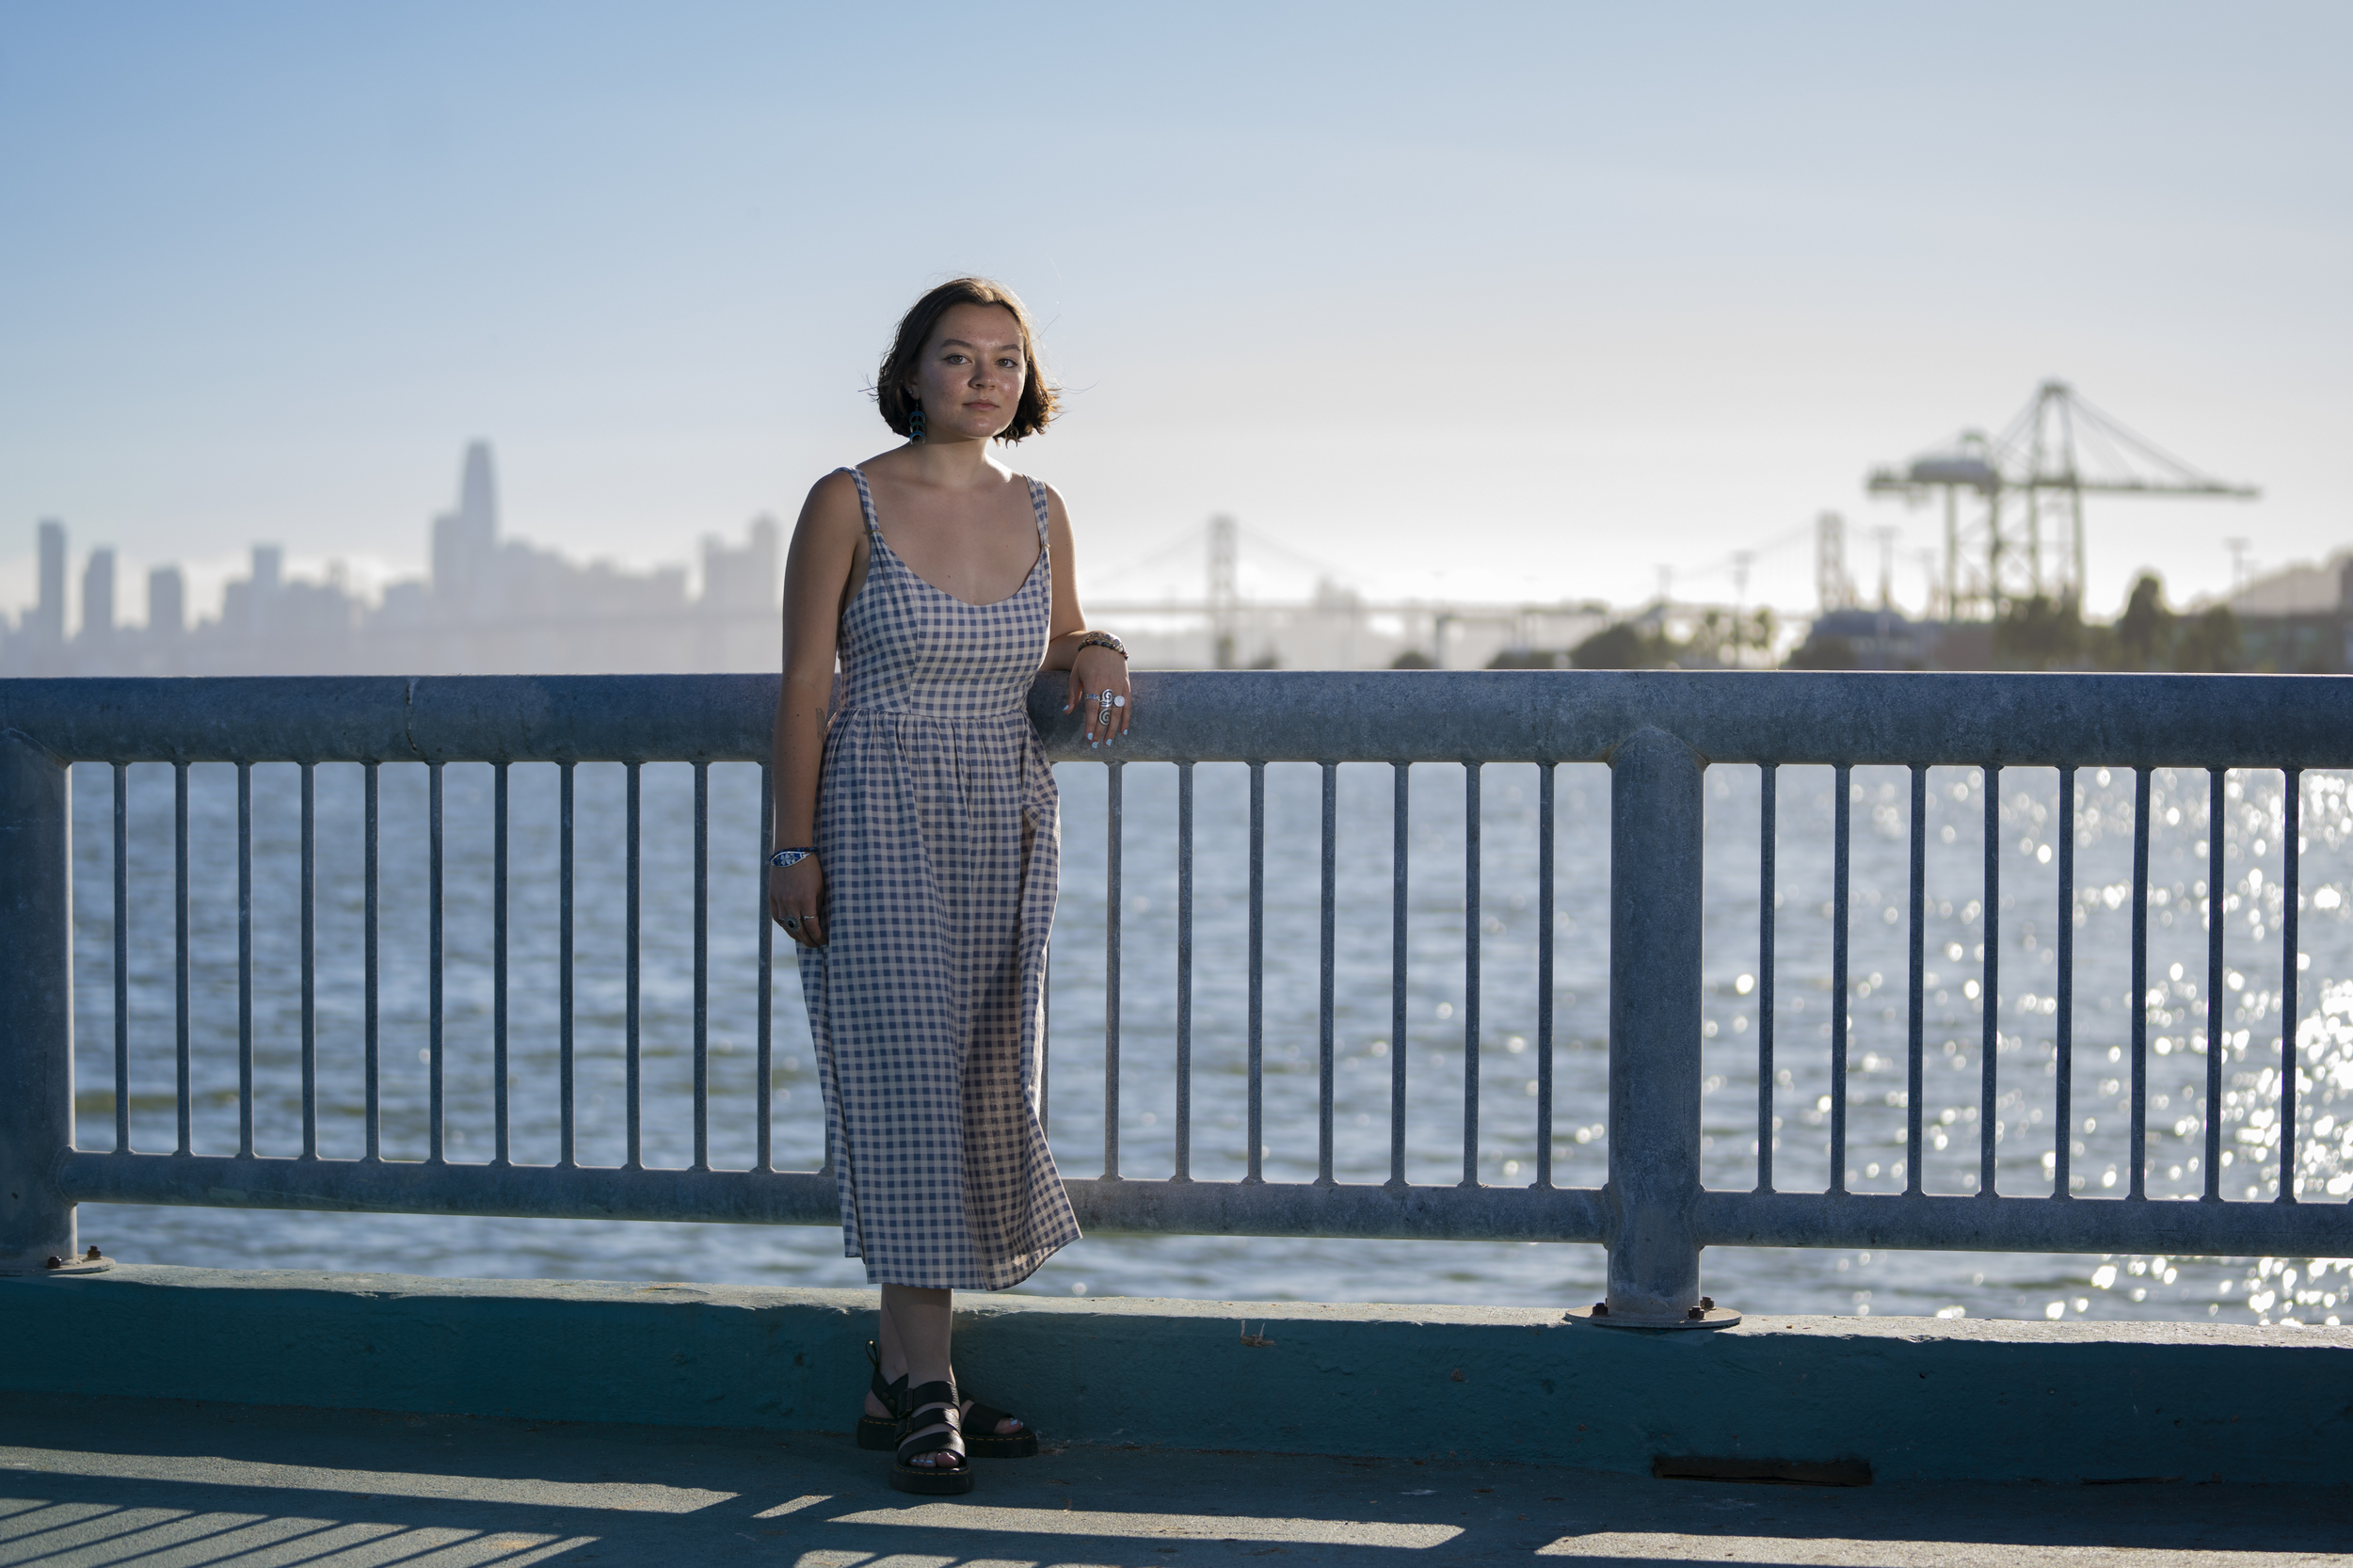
(465, 542)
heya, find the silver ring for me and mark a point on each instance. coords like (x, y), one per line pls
(1119, 702)
(793, 922)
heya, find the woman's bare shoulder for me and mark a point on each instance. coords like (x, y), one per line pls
(832, 505)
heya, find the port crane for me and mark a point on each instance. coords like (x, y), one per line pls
(2026, 539)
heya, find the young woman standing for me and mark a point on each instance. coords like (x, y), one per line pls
(921, 830)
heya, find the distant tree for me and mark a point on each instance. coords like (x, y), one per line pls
(1270, 660)
(1526, 658)
(1412, 659)
(1614, 648)
(2144, 633)
(2210, 643)
(2039, 633)
(1821, 653)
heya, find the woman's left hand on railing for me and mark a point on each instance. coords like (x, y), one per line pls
(1099, 689)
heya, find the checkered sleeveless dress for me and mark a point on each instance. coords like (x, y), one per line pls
(939, 827)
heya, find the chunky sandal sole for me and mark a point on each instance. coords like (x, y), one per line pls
(932, 1483)
(878, 1435)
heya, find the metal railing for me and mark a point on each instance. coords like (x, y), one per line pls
(1657, 733)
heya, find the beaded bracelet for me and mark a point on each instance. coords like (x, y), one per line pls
(1102, 639)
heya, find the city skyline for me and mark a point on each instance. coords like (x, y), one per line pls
(1538, 295)
(488, 604)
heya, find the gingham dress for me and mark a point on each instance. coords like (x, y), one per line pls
(939, 827)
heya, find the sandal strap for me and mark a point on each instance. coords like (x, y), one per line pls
(985, 1419)
(936, 1441)
(937, 1429)
(891, 1394)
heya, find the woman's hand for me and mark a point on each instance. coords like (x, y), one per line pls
(796, 897)
(1099, 689)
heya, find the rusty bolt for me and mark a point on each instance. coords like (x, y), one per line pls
(1696, 1312)
(93, 1255)
(1601, 1309)
(1708, 1303)
(53, 1263)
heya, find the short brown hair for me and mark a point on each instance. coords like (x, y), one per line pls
(1038, 404)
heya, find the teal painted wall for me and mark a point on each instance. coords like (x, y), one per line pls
(1916, 1397)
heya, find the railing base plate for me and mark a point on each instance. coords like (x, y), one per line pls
(36, 1267)
(1714, 1316)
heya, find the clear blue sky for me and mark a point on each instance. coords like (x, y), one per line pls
(1484, 300)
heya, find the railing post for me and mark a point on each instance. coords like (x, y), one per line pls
(36, 1007)
(1655, 816)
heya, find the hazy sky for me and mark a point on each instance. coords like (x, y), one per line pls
(1481, 300)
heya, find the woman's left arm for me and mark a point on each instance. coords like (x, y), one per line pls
(1098, 676)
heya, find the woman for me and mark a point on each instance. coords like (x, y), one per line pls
(919, 827)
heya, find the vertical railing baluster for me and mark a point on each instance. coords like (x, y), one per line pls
(245, 960)
(1045, 1049)
(2137, 1186)
(567, 1124)
(631, 1047)
(433, 964)
(2215, 1043)
(1767, 835)
(1257, 970)
(183, 1088)
(1470, 973)
(1399, 845)
(1184, 972)
(702, 965)
(1325, 1003)
(123, 957)
(1840, 816)
(2291, 848)
(500, 1134)
(1547, 796)
(765, 1096)
(371, 1040)
(2063, 1090)
(1114, 812)
(1989, 977)
(310, 965)
(1915, 1046)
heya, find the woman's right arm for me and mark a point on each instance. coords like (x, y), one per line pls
(827, 544)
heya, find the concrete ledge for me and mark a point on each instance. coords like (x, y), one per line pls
(1915, 1398)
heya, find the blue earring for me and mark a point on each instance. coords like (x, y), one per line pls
(915, 423)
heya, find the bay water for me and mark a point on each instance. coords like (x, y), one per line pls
(1435, 1042)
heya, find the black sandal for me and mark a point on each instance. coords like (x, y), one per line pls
(937, 1429)
(982, 1440)
(881, 1433)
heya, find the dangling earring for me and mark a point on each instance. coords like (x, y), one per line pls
(915, 425)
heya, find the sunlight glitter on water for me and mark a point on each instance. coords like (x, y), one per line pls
(1954, 934)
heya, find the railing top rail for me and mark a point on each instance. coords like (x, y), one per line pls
(1257, 715)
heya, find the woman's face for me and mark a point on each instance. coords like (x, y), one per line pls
(972, 372)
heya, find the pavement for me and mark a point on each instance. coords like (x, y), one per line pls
(172, 1484)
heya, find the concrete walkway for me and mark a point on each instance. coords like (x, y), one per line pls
(173, 1486)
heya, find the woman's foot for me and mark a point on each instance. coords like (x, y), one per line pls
(931, 1457)
(1009, 1427)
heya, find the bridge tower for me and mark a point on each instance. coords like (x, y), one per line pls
(1224, 596)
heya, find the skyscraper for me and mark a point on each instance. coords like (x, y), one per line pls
(465, 542)
(166, 602)
(98, 597)
(46, 623)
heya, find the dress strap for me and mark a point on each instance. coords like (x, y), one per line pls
(1037, 503)
(865, 502)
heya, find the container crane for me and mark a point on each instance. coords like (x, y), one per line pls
(2037, 472)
